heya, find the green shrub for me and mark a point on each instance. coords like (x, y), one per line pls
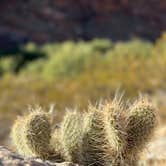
(6, 65)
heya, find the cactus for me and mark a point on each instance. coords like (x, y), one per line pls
(71, 136)
(110, 134)
(38, 133)
(18, 139)
(141, 122)
(115, 133)
(31, 134)
(94, 141)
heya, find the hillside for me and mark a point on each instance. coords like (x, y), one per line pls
(58, 20)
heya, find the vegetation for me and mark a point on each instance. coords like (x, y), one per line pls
(104, 136)
(71, 74)
(110, 63)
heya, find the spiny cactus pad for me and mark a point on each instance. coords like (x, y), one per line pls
(18, 138)
(110, 134)
(71, 135)
(32, 134)
(38, 133)
(94, 139)
(141, 122)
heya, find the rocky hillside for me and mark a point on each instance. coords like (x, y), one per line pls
(57, 20)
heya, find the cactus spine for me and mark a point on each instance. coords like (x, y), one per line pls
(141, 122)
(71, 135)
(18, 138)
(93, 141)
(31, 134)
(111, 134)
(115, 133)
(38, 133)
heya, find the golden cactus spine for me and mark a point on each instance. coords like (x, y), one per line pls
(71, 135)
(18, 137)
(94, 141)
(141, 122)
(33, 133)
(38, 133)
(115, 133)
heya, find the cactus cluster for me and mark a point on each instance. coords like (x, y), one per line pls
(109, 134)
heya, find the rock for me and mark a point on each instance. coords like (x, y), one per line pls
(8, 158)
(155, 155)
(59, 20)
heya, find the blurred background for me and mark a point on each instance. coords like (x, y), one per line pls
(70, 52)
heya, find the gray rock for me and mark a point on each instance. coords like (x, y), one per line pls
(8, 158)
